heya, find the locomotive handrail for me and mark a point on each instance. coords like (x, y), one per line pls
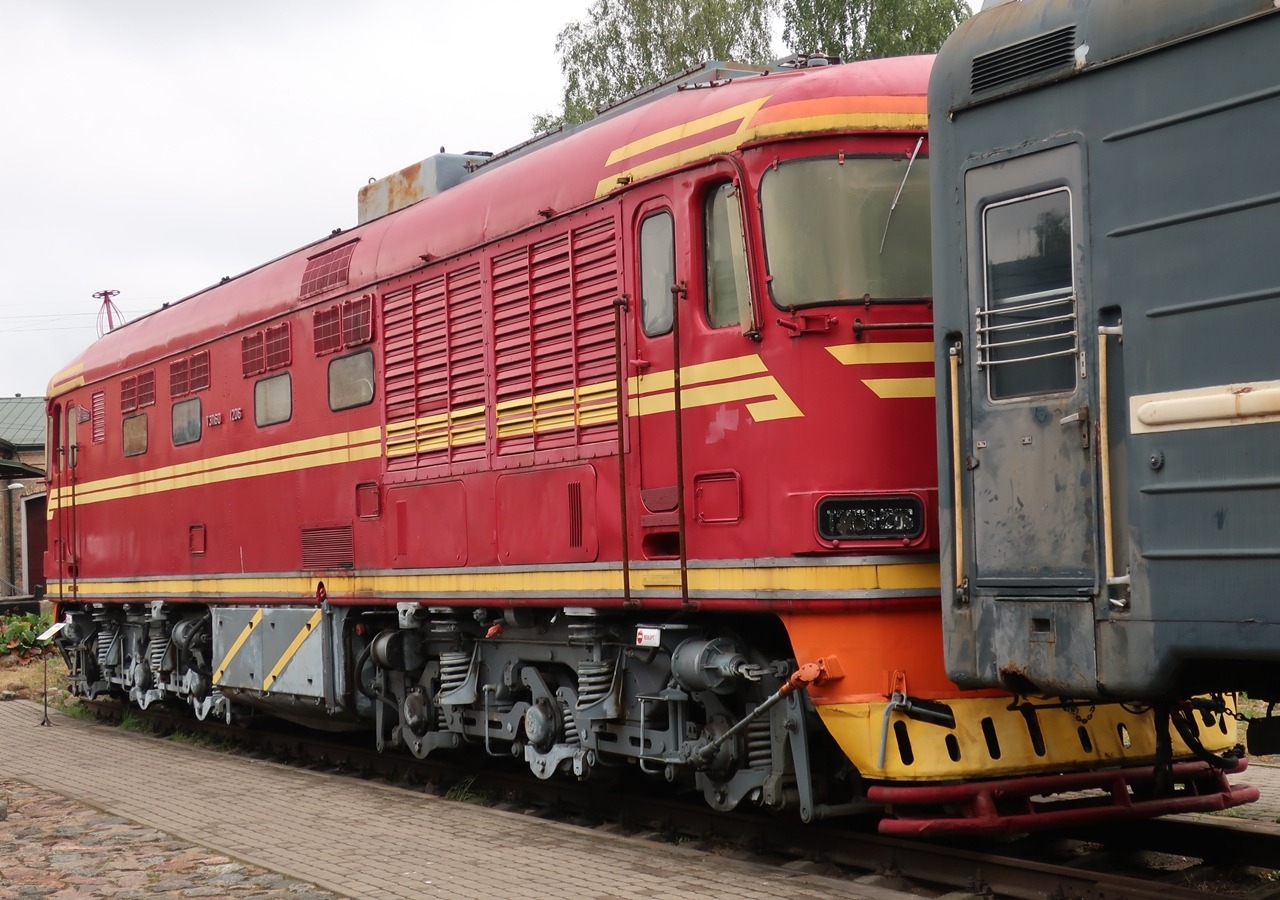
(1104, 460)
(619, 306)
(987, 363)
(1055, 295)
(954, 361)
(1009, 326)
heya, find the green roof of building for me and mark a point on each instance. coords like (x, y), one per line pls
(22, 421)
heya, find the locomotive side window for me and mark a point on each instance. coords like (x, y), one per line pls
(351, 381)
(186, 421)
(728, 289)
(657, 272)
(1027, 335)
(133, 431)
(273, 400)
(841, 229)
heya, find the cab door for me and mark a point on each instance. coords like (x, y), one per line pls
(650, 368)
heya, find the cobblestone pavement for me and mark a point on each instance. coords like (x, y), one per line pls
(54, 847)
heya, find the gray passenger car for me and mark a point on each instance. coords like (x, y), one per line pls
(1106, 260)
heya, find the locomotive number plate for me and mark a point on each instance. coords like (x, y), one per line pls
(870, 518)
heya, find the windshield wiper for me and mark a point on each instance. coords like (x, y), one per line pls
(911, 162)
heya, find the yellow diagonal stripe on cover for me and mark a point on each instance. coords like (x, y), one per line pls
(292, 649)
(900, 388)
(235, 647)
(684, 130)
(869, 354)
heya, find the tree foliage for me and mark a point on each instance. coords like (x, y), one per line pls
(625, 45)
(868, 29)
(622, 46)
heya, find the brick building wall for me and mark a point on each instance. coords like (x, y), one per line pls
(22, 566)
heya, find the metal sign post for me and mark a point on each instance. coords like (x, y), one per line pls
(45, 635)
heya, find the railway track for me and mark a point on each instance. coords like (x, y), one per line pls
(1187, 858)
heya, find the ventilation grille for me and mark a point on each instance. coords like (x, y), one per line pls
(279, 348)
(253, 357)
(1034, 56)
(327, 270)
(357, 321)
(200, 371)
(138, 391)
(328, 330)
(189, 374)
(575, 514)
(178, 372)
(348, 324)
(99, 417)
(328, 548)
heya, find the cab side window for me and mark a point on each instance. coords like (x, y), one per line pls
(657, 272)
(728, 289)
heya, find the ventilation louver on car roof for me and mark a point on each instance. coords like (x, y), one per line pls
(1047, 52)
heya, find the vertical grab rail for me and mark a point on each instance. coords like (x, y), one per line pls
(678, 292)
(956, 463)
(619, 306)
(1104, 461)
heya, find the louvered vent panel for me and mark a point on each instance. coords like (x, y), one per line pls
(434, 374)
(327, 270)
(253, 356)
(466, 361)
(99, 402)
(515, 343)
(178, 377)
(1044, 53)
(328, 548)
(596, 287)
(554, 334)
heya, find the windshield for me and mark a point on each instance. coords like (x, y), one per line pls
(830, 236)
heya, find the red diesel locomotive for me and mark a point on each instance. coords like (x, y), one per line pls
(614, 449)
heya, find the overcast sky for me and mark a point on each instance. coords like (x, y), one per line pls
(153, 146)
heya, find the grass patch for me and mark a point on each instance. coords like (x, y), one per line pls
(25, 676)
(131, 721)
(465, 791)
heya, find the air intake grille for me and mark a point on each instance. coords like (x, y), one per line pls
(328, 548)
(327, 270)
(1034, 56)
